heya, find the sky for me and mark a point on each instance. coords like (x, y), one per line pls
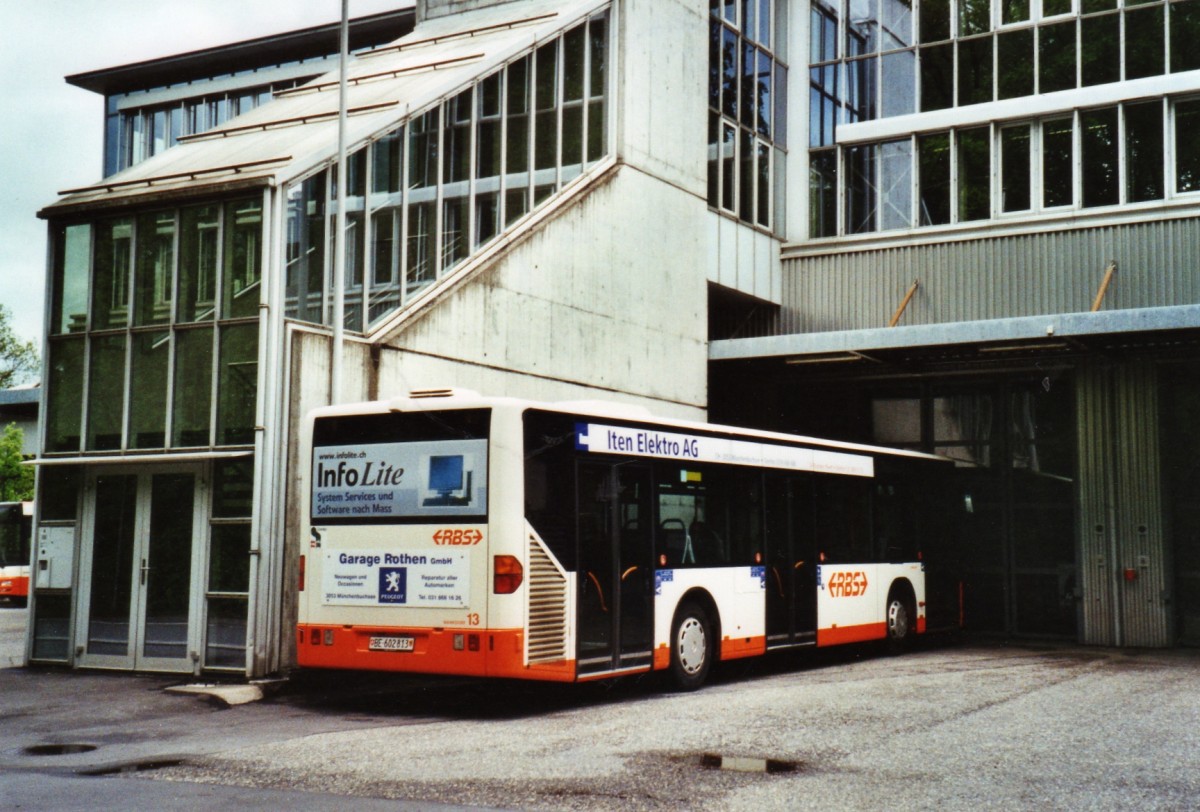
(52, 134)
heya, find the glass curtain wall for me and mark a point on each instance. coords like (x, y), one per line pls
(873, 59)
(424, 197)
(153, 345)
(227, 591)
(154, 330)
(747, 89)
(134, 134)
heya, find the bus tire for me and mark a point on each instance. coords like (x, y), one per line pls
(691, 647)
(901, 620)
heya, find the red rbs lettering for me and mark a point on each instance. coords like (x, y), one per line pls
(847, 584)
(458, 537)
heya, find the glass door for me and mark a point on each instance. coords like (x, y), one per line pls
(616, 567)
(791, 587)
(140, 605)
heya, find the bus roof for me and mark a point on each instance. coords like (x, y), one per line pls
(437, 399)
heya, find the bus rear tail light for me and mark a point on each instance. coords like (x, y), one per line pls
(301, 576)
(507, 574)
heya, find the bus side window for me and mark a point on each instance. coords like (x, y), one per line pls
(894, 518)
(709, 516)
(746, 534)
(842, 519)
(550, 505)
(682, 506)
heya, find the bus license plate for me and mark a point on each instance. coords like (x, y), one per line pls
(390, 644)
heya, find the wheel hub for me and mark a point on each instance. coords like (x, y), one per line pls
(692, 645)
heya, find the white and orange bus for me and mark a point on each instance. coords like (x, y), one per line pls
(16, 529)
(449, 533)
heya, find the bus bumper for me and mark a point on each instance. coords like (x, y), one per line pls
(452, 652)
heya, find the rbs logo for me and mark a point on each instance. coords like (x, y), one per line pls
(847, 584)
(457, 537)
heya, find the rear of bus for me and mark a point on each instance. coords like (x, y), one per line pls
(409, 560)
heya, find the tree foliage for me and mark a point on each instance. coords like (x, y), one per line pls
(19, 360)
(16, 480)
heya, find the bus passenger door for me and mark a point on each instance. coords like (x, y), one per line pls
(791, 562)
(616, 571)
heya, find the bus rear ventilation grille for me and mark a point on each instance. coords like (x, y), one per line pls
(431, 393)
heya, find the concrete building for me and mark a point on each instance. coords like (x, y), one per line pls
(628, 199)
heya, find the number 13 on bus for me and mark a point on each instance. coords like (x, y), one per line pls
(449, 533)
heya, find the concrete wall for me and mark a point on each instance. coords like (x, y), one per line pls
(663, 91)
(605, 300)
(744, 259)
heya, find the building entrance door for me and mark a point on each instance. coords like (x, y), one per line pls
(139, 605)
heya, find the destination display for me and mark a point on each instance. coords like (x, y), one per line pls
(598, 438)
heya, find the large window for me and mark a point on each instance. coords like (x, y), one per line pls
(154, 330)
(746, 128)
(899, 57)
(1131, 153)
(137, 133)
(423, 198)
(874, 59)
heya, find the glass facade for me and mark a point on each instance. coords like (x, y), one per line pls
(427, 195)
(134, 134)
(746, 109)
(228, 582)
(875, 59)
(154, 330)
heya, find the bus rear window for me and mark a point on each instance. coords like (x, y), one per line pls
(400, 467)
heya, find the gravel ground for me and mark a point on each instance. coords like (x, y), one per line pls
(981, 727)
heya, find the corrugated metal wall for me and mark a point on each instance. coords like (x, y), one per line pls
(994, 277)
(1096, 560)
(1120, 503)
(1140, 538)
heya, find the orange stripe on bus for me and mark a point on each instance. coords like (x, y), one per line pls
(851, 634)
(734, 647)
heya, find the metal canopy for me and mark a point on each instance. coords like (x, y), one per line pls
(847, 344)
(307, 43)
(296, 132)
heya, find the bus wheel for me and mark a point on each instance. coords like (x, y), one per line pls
(691, 647)
(899, 624)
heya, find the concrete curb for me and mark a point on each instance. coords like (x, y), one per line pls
(224, 695)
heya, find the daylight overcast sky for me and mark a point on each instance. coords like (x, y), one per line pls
(51, 134)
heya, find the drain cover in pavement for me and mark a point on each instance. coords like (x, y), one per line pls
(744, 764)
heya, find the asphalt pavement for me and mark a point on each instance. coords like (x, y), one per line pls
(12, 635)
(966, 726)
